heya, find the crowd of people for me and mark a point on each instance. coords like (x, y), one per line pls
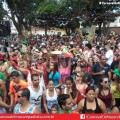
(60, 74)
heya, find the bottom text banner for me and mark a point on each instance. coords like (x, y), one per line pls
(60, 116)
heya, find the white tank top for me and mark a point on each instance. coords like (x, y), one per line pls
(65, 91)
(51, 100)
(35, 97)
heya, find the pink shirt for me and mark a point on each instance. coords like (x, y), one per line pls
(82, 89)
(88, 69)
(64, 73)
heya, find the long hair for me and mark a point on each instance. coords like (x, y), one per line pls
(74, 89)
(82, 74)
(101, 80)
(55, 69)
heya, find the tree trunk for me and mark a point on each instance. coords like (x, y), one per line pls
(17, 24)
(45, 27)
(100, 28)
(67, 31)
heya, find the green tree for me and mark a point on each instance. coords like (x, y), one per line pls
(22, 13)
(2, 11)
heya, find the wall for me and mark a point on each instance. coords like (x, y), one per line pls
(115, 29)
(41, 31)
(116, 23)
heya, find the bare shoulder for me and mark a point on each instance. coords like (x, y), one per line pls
(100, 102)
(97, 90)
(81, 103)
(36, 111)
(111, 91)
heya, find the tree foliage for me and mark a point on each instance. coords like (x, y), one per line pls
(69, 14)
(2, 11)
(22, 13)
(65, 14)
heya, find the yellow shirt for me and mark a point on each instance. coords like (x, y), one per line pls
(116, 91)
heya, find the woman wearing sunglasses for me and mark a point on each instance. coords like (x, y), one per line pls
(76, 68)
(105, 93)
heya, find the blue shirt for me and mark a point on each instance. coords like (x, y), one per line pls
(56, 77)
(98, 68)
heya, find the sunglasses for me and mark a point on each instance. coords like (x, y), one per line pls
(32, 65)
(105, 82)
(83, 66)
(40, 59)
(104, 59)
(18, 96)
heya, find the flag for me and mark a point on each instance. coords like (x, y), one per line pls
(66, 53)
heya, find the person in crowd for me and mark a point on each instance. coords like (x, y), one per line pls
(36, 91)
(76, 69)
(33, 68)
(105, 93)
(36, 64)
(55, 75)
(3, 91)
(65, 69)
(3, 107)
(89, 64)
(65, 104)
(15, 85)
(91, 104)
(13, 64)
(54, 109)
(50, 96)
(23, 68)
(100, 69)
(115, 86)
(109, 54)
(81, 84)
(3, 65)
(96, 59)
(115, 110)
(42, 65)
(115, 63)
(24, 106)
(88, 77)
(72, 91)
(88, 51)
(53, 59)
